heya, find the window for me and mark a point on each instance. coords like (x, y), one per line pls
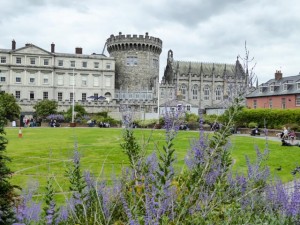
(107, 81)
(18, 60)
(72, 63)
(155, 63)
(59, 96)
(83, 96)
(218, 93)
(162, 93)
(18, 79)
(96, 80)
(46, 62)
(32, 61)
(31, 95)
(270, 103)
(45, 95)
(285, 87)
(46, 79)
(2, 79)
(254, 104)
(298, 86)
(283, 103)
(96, 65)
(31, 80)
(179, 107)
(3, 59)
(71, 96)
(95, 96)
(195, 92)
(60, 80)
(60, 62)
(83, 80)
(108, 66)
(206, 93)
(272, 88)
(183, 90)
(188, 107)
(18, 94)
(72, 80)
(298, 100)
(131, 61)
(84, 64)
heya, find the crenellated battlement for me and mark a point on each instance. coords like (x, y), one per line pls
(137, 42)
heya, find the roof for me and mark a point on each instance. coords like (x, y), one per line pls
(283, 86)
(206, 68)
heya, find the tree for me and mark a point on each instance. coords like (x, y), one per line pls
(7, 193)
(79, 109)
(45, 108)
(10, 110)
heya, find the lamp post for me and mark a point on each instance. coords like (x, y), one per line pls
(73, 100)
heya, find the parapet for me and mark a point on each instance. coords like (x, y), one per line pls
(141, 39)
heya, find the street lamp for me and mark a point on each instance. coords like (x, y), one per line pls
(73, 100)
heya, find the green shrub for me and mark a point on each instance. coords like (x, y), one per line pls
(252, 125)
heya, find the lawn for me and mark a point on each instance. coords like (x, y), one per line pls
(44, 151)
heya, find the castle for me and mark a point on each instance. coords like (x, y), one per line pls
(128, 78)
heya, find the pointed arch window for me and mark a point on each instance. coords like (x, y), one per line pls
(218, 93)
(183, 90)
(206, 92)
(195, 91)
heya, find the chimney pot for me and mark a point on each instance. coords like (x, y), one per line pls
(78, 50)
(13, 44)
(52, 47)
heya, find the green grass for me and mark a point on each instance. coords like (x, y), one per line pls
(44, 151)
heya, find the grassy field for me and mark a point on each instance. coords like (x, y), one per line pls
(44, 151)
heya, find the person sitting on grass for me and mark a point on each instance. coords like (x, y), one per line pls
(285, 143)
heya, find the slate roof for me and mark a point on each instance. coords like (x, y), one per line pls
(290, 83)
(184, 67)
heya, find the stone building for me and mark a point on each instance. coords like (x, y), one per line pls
(31, 74)
(137, 70)
(199, 83)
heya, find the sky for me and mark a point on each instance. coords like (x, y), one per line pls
(216, 31)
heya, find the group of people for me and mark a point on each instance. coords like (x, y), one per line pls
(29, 122)
(286, 135)
(54, 123)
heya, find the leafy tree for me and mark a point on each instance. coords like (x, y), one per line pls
(10, 109)
(78, 109)
(45, 108)
(7, 193)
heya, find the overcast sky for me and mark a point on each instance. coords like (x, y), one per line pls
(196, 30)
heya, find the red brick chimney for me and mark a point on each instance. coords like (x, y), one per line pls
(78, 50)
(13, 45)
(278, 75)
(52, 47)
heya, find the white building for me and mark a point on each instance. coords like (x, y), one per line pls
(31, 74)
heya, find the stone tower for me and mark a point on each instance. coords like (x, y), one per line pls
(137, 62)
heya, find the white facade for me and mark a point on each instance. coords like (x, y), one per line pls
(31, 74)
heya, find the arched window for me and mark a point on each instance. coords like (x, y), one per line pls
(218, 93)
(183, 90)
(195, 91)
(206, 92)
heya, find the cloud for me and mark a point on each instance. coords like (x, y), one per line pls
(196, 30)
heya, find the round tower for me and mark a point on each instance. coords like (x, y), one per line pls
(137, 61)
